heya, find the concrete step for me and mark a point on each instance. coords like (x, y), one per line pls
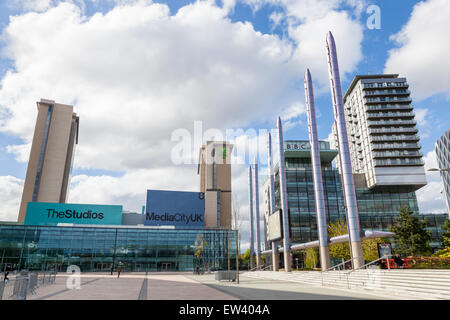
(389, 282)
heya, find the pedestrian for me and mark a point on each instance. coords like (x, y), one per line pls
(398, 261)
(7, 269)
(112, 269)
(119, 268)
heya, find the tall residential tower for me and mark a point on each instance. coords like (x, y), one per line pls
(383, 140)
(52, 151)
(442, 149)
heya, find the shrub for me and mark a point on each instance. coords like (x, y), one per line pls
(430, 263)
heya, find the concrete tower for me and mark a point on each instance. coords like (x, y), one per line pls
(52, 150)
(214, 169)
(317, 174)
(344, 155)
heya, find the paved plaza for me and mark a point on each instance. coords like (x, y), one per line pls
(186, 286)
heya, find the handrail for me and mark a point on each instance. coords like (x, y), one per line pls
(368, 264)
(338, 265)
(260, 268)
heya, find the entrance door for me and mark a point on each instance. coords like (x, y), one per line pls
(103, 266)
(166, 266)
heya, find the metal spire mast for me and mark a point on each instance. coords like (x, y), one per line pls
(344, 155)
(272, 198)
(317, 174)
(256, 209)
(283, 198)
(250, 194)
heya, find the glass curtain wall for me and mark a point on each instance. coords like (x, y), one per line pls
(98, 249)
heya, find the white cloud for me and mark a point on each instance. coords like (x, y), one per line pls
(423, 50)
(10, 195)
(430, 198)
(310, 39)
(31, 5)
(137, 73)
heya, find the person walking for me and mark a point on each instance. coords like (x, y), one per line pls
(7, 270)
(119, 269)
(112, 269)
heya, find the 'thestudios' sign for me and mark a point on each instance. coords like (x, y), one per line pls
(175, 208)
(46, 213)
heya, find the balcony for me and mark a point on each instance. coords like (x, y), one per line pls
(385, 85)
(391, 115)
(387, 100)
(393, 130)
(395, 154)
(398, 162)
(388, 107)
(392, 123)
(394, 138)
(389, 92)
(381, 146)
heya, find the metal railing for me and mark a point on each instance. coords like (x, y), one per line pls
(24, 284)
(347, 274)
(342, 264)
(387, 257)
(261, 268)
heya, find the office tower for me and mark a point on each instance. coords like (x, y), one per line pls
(384, 144)
(52, 151)
(377, 208)
(442, 149)
(214, 168)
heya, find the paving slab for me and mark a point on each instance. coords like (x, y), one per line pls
(268, 289)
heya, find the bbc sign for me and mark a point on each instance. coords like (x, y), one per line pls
(175, 208)
(303, 145)
(50, 214)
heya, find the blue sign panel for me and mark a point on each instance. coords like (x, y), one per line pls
(175, 208)
(50, 214)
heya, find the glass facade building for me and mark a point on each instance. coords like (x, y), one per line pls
(377, 208)
(98, 248)
(442, 148)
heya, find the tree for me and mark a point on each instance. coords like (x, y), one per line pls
(200, 243)
(410, 238)
(342, 250)
(339, 250)
(445, 253)
(312, 258)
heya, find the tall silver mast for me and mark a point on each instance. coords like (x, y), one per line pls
(275, 261)
(317, 174)
(344, 155)
(256, 208)
(283, 198)
(250, 203)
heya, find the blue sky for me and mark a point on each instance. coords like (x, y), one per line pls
(214, 49)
